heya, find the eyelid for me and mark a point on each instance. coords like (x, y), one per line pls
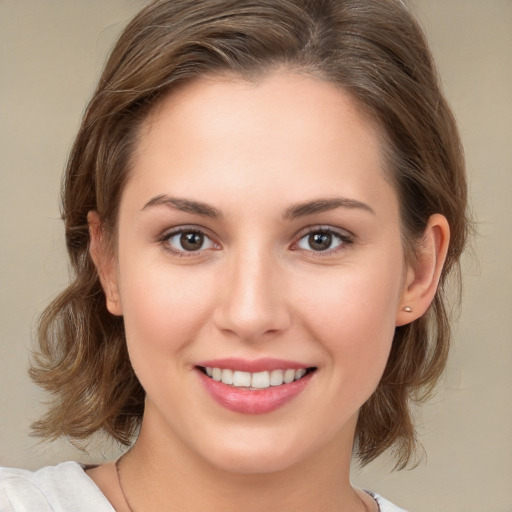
(346, 237)
(168, 234)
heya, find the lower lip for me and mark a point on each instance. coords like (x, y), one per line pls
(257, 401)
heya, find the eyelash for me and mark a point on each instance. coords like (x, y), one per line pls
(166, 238)
(343, 239)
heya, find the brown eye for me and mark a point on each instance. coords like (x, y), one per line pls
(323, 240)
(320, 241)
(191, 241)
(187, 241)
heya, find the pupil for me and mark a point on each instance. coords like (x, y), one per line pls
(320, 241)
(191, 241)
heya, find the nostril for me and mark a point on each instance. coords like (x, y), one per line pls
(252, 301)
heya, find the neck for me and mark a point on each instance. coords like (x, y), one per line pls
(163, 474)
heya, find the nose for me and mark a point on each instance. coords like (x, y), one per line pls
(252, 301)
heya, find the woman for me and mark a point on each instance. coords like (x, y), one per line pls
(262, 206)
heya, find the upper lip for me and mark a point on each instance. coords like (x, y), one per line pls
(253, 366)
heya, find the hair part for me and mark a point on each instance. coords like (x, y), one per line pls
(374, 50)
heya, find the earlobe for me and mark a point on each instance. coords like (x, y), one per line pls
(423, 274)
(105, 263)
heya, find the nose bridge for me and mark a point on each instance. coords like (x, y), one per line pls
(252, 300)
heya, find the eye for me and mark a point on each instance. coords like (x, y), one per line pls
(322, 240)
(187, 241)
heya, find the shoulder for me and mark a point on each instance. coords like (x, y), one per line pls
(385, 505)
(60, 488)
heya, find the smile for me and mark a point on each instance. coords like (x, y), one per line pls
(254, 387)
(256, 380)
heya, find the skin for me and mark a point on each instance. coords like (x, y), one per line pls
(257, 288)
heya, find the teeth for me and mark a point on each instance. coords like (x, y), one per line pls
(276, 377)
(241, 379)
(300, 373)
(227, 376)
(258, 380)
(289, 375)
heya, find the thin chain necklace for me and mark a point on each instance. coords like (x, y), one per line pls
(118, 464)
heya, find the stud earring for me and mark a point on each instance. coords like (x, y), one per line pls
(407, 309)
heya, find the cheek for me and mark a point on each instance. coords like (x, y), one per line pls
(353, 315)
(163, 309)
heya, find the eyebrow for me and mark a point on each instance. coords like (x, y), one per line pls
(184, 205)
(324, 205)
(293, 212)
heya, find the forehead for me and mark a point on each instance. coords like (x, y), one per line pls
(232, 101)
(289, 132)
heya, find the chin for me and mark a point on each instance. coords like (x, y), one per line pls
(253, 458)
(254, 464)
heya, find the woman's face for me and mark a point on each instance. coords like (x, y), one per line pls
(258, 234)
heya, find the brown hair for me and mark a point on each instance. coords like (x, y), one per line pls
(375, 50)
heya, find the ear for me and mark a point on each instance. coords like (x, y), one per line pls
(105, 263)
(423, 273)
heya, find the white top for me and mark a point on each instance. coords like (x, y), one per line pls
(67, 488)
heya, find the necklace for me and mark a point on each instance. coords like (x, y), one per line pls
(118, 465)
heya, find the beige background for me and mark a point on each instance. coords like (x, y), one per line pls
(50, 55)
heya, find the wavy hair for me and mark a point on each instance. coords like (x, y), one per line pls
(375, 50)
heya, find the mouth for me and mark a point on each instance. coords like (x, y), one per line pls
(256, 386)
(255, 380)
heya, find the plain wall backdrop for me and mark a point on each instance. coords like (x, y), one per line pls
(51, 52)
